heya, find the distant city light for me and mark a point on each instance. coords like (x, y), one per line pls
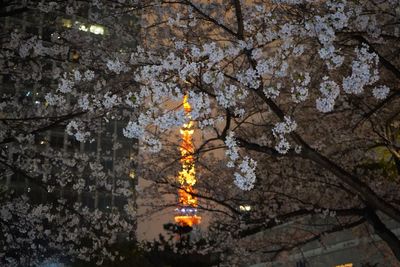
(244, 207)
(96, 29)
(67, 23)
(83, 28)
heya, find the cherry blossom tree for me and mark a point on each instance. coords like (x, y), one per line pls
(57, 60)
(297, 98)
(301, 94)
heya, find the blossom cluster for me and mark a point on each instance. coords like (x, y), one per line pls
(230, 97)
(300, 90)
(74, 128)
(330, 91)
(380, 92)
(232, 150)
(279, 132)
(246, 176)
(117, 66)
(364, 71)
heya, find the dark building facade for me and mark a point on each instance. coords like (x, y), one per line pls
(91, 174)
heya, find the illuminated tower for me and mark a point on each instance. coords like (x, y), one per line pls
(187, 207)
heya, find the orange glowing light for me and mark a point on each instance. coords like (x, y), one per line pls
(187, 176)
(188, 220)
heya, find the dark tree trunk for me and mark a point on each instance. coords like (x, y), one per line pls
(383, 232)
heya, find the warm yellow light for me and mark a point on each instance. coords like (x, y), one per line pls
(186, 105)
(67, 23)
(132, 174)
(345, 265)
(95, 29)
(186, 132)
(187, 176)
(245, 207)
(188, 220)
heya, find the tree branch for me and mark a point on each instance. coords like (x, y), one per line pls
(383, 232)
(239, 19)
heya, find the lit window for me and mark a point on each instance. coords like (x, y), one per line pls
(67, 23)
(244, 207)
(74, 56)
(80, 26)
(345, 265)
(132, 174)
(96, 29)
(83, 28)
